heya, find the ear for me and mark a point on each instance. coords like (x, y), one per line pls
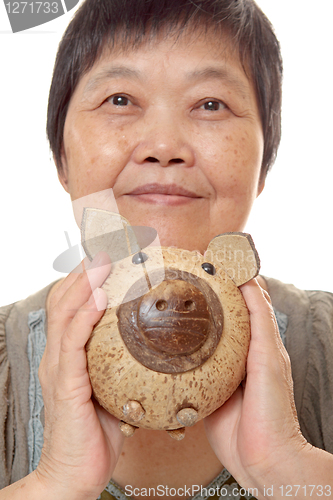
(236, 254)
(102, 230)
(62, 169)
(109, 232)
(261, 186)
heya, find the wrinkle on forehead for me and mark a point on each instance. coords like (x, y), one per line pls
(222, 44)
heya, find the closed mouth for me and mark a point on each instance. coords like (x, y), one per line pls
(163, 189)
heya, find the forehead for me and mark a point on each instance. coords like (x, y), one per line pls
(197, 56)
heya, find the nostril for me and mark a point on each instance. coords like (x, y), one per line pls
(161, 305)
(151, 159)
(189, 305)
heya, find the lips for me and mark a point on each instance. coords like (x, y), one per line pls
(163, 194)
(163, 189)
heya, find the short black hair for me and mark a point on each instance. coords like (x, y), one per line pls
(128, 23)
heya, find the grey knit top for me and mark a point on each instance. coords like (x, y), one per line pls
(305, 320)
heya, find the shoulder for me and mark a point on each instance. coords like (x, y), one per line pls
(16, 322)
(31, 303)
(17, 314)
(309, 342)
(14, 318)
(289, 297)
(15, 325)
(4, 313)
(309, 313)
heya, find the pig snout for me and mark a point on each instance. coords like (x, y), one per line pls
(174, 317)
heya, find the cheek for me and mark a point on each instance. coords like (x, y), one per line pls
(233, 162)
(107, 146)
(94, 157)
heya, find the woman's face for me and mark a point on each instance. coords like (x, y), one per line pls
(174, 129)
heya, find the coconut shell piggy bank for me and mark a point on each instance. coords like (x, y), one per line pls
(172, 345)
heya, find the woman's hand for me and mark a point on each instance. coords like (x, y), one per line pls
(82, 442)
(256, 434)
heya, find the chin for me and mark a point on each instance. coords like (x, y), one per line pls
(172, 231)
(184, 225)
(172, 236)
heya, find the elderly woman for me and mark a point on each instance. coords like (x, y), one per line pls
(175, 106)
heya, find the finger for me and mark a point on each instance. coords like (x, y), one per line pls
(110, 425)
(77, 334)
(223, 419)
(74, 338)
(72, 356)
(68, 281)
(264, 329)
(72, 297)
(60, 317)
(267, 356)
(74, 294)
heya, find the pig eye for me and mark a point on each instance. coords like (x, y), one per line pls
(139, 258)
(209, 268)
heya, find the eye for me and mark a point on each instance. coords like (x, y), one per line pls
(213, 105)
(209, 268)
(139, 258)
(119, 100)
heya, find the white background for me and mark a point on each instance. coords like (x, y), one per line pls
(291, 221)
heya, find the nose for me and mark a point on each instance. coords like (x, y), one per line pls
(174, 318)
(164, 141)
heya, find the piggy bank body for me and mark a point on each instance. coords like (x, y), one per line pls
(172, 345)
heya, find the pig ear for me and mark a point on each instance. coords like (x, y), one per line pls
(109, 232)
(236, 254)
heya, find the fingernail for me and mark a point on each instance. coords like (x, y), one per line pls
(98, 270)
(99, 299)
(97, 261)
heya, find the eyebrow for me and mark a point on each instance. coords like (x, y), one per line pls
(210, 72)
(109, 73)
(219, 73)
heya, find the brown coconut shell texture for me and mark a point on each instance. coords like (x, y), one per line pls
(117, 377)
